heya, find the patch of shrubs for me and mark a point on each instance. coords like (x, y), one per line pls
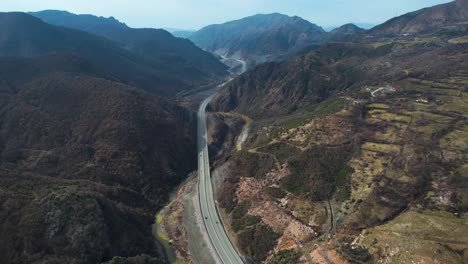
(244, 222)
(286, 257)
(257, 241)
(356, 255)
(343, 183)
(283, 152)
(276, 193)
(227, 194)
(254, 237)
(240, 210)
(253, 165)
(319, 172)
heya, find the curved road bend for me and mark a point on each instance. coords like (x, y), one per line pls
(223, 247)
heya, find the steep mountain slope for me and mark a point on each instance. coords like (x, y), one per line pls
(259, 38)
(283, 87)
(84, 162)
(24, 35)
(356, 153)
(156, 45)
(424, 20)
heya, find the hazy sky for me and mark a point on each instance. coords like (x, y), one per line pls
(194, 14)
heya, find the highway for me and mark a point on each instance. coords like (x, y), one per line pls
(225, 251)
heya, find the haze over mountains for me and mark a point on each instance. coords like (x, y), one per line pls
(259, 38)
(254, 39)
(267, 37)
(152, 58)
(180, 33)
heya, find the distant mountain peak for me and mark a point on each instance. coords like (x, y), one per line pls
(62, 18)
(350, 25)
(349, 28)
(259, 38)
(275, 14)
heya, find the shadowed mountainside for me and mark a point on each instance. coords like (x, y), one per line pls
(24, 35)
(156, 45)
(85, 162)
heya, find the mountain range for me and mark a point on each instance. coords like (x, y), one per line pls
(354, 148)
(151, 58)
(259, 38)
(255, 39)
(282, 87)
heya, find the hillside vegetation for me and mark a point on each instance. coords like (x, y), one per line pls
(357, 151)
(84, 162)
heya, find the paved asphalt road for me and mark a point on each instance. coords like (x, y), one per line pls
(225, 251)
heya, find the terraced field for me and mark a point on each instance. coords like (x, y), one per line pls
(423, 114)
(403, 153)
